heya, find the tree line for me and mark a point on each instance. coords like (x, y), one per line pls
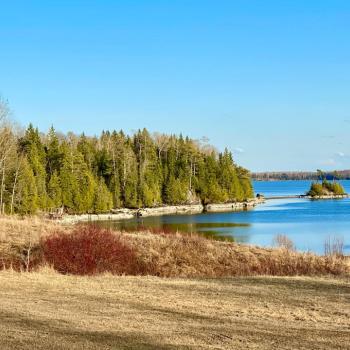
(39, 172)
(302, 175)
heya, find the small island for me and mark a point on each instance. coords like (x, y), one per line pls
(326, 190)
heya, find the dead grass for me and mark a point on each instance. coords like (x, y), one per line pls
(20, 236)
(47, 310)
(174, 255)
(181, 255)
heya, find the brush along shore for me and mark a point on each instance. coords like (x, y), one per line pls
(29, 244)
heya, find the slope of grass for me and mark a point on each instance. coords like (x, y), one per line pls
(24, 247)
(46, 310)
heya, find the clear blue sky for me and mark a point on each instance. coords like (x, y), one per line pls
(268, 79)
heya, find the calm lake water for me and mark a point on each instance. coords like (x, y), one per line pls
(308, 223)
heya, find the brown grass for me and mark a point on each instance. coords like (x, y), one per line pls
(47, 310)
(181, 255)
(173, 255)
(19, 239)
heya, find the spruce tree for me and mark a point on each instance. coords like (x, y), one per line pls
(103, 201)
(27, 199)
(55, 191)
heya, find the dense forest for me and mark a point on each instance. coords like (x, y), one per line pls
(302, 175)
(39, 172)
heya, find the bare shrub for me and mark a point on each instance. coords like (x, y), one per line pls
(282, 241)
(334, 246)
(21, 257)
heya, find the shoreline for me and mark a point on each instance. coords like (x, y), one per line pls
(330, 196)
(127, 214)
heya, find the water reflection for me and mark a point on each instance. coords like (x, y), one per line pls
(216, 230)
(307, 223)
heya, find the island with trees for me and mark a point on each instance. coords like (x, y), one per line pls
(326, 190)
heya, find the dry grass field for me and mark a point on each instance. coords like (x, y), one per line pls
(203, 299)
(46, 310)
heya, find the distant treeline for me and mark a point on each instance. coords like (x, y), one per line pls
(95, 174)
(302, 175)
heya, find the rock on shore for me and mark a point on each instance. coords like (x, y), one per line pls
(330, 196)
(125, 214)
(233, 206)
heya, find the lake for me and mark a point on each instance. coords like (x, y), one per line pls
(308, 223)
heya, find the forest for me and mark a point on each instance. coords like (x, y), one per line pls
(43, 171)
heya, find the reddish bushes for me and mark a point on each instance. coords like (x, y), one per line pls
(89, 250)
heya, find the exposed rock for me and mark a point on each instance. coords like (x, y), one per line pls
(329, 196)
(236, 206)
(124, 214)
(175, 209)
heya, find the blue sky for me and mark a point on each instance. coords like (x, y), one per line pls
(268, 79)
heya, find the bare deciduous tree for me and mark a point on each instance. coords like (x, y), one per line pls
(7, 144)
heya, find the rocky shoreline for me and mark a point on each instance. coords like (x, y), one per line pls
(125, 214)
(330, 196)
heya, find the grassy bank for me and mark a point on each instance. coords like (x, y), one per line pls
(31, 243)
(46, 310)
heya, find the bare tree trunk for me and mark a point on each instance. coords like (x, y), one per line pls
(2, 211)
(14, 186)
(191, 173)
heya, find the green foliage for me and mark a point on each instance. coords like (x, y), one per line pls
(54, 191)
(175, 191)
(103, 201)
(338, 189)
(27, 199)
(325, 188)
(95, 174)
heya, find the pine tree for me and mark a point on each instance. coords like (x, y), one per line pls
(27, 198)
(55, 191)
(32, 146)
(53, 155)
(103, 201)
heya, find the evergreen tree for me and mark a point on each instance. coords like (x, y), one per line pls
(27, 199)
(55, 191)
(54, 155)
(103, 201)
(32, 146)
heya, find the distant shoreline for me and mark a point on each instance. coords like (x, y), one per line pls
(299, 175)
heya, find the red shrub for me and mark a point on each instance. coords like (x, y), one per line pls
(89, 250)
